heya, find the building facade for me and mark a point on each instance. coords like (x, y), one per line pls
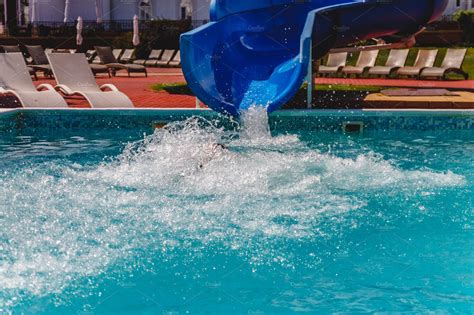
(22, 12)
(456, 5)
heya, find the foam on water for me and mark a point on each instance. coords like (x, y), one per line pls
(62, 222)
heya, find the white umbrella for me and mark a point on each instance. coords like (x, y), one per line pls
(18, 12)
(136, 31)
(98, 11)
(66, 11)
(79, 28)
(34, 9)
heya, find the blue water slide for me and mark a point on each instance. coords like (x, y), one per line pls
(257, 52)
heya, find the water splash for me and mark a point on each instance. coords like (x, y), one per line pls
(189, 183)
(255, 123)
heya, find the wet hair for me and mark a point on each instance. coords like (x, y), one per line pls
(220, 145)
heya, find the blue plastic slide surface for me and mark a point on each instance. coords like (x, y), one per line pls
(257, 52)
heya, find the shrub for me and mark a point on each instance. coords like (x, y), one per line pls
(466, 22)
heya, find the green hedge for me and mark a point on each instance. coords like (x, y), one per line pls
(466, 22)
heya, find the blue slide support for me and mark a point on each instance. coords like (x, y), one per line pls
(257, 52)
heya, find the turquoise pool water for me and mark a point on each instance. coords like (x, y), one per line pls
(115, 222)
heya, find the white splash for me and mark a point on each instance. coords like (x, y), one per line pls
(190, 181)
(255, 123)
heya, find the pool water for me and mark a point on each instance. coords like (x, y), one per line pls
(171, 223)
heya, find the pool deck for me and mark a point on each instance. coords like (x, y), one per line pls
(139, 91)
(461, 100)
(467, 85)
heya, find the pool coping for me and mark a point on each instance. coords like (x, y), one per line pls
(280, 113)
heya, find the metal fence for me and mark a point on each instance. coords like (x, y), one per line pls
(59, 29)
(447, 18)
(113, 25)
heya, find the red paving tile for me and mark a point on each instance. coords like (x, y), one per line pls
(138, 87)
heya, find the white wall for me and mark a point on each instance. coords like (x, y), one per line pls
(53, 10)
(463, 5)
(106, 10)
(123, 9)
(83, 8)
(201, 9)
(167, 9)
(49, 10)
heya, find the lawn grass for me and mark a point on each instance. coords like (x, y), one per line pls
(183, 89)
(172, 88)
(347, 87)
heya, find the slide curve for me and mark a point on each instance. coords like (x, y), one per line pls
(257, 52)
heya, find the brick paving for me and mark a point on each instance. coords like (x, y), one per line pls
(139, 91)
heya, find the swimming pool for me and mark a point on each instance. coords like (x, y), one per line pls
(99, 215)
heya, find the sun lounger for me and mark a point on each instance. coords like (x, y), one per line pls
(165, 59)
(74, 77)
(365, 61)
(40, 61)
(16, 49)
(176, 61)
(11, 48)
(127, 56)
(334, 65)
(97, 69)
(15, 79)
(424, 59)
(452, 63)
(396, 59)
(117, 53)
(60, 51)
(107, 58)
(90, 54)
(96, 60)
(42, 64)
(96, 66)
(155, 55)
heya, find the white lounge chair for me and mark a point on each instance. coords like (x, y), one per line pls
(452, 63)
(117, 53)
(366, 60)
(127, 56)
(165, 59)
(8, 49)
(15, 79)
(176, 61)
(155, 54)
(396, 59)
(75, 77)
(334, 65)
(424, 59)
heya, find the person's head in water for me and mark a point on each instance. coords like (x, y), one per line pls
(213, 151)
(220, 146)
